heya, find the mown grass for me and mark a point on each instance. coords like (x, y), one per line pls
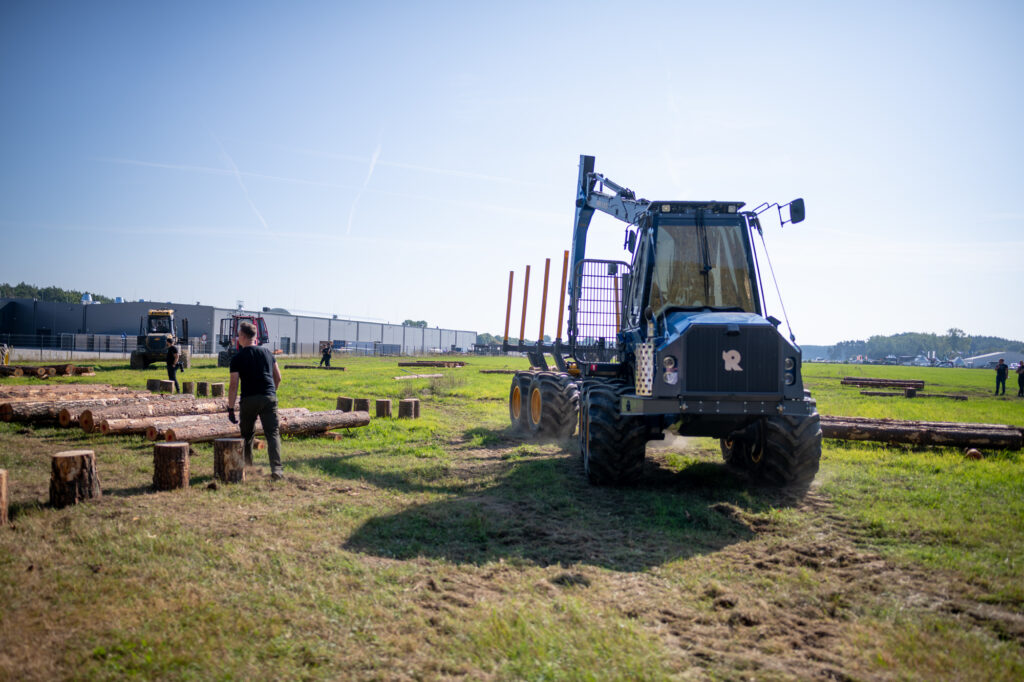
(446, 547)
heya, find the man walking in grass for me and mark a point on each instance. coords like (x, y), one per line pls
(1002, 370)
(1020, 379)
(254, 366)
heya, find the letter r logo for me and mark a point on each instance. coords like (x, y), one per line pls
(731, 358)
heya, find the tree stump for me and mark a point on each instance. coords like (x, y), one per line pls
(73, 478)
(3, 497)
(203, 389)
(170, 466)
(229, 460)
(217, 390)
(407, 408)
(909, 392)
(383, 408)
(344, 404)
(188, 387)
(153, 385)
(166, 386)
(361, 405)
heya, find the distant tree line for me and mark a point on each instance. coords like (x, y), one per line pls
(53, 294)
(955, 342)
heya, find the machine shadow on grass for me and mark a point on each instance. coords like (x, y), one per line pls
(541, 511)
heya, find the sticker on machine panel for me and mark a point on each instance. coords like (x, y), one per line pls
(731, 358)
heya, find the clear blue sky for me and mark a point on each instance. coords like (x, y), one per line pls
(395, 160)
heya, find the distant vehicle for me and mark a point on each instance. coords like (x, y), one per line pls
(228, 336)
(156, 335)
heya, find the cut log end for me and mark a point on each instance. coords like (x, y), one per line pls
(73, 478)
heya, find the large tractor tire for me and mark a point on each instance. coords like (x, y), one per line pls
(223, 359)
(612, 446)
(553, 403)
(778, 452)
(137, 361)
(186, 359)
(518, 410)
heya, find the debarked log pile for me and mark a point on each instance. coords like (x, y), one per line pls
(312, 423)
(945, 434)
(868, 382)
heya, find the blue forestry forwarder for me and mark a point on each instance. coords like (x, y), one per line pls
(676, 337)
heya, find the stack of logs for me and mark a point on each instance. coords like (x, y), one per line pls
(114, 410)
(909, 388)
(45, 372)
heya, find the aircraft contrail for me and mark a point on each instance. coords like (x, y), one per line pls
(241, 183)
(369, 174)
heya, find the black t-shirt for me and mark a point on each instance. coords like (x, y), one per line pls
(172, 355)
(255, 367)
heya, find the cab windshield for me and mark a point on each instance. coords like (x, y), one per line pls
(701, 266)
(159, 325)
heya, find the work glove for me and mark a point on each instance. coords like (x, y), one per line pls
(231, 415)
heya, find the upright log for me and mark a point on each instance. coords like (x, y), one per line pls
(407, 408)
(3, 497)
(229, 460)
(361, 405)
(344, 404)
(73, 478)
(217, 390)
(383, 407)
(170, 466)
(166, 386)
(203, 389)
(188, 387)
(153, 385)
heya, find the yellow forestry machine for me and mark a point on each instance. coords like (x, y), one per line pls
(157, 333)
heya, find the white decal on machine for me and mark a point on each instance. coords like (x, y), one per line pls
(731, 358)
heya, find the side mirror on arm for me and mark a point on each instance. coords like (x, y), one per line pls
(796, 211)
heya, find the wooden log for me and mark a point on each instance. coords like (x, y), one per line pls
(340, 369)
(52, 389)
(909, 392)
(217, 390)
(166, 386)
(188, 387)
(407, 408)
(314, 422)
(153, 385)
(499, 371)
(30, 371)
(344, 404)
(229, 460)
(946, 434)
(11, 372)
(3, 497)
(156, 428)
(418, 376)
(90, 420)
(64, 370)
(361, 405)
(73, 478)
(432, 363)
(170, 466)
(49, 410)
(887, 383)
(83, 371)
(202, 389)
(50, 371)
(383, 407)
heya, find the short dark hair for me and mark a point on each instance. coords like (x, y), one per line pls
(247, 328)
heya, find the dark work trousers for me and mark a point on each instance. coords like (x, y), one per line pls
(172, 374)
(1000, 383)
(265, 408)
(1020, 385)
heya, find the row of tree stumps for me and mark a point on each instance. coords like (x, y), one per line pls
(74, 476)
(408, 408)
(203, 389)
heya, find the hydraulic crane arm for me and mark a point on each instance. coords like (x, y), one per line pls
(623, 205)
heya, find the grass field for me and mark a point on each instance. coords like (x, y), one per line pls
(446, 547)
